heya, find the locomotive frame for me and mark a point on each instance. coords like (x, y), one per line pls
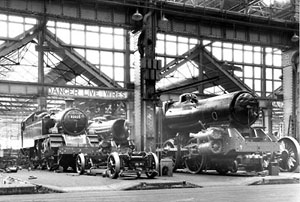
(120, 163)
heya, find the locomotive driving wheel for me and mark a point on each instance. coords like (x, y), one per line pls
(290, 154)
(195, 164)
(113, 165)
(153, 169)
(174, 151)
(80, 163)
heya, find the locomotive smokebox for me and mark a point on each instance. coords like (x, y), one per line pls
(120, 131)
(72, 121)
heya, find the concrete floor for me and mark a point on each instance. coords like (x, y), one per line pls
(72, 182)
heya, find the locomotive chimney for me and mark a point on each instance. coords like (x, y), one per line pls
(69, 103)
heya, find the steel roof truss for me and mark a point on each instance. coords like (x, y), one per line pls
(78, 60)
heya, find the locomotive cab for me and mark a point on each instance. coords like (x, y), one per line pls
(188, 98)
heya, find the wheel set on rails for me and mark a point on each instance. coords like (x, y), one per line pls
(121, 160)
(137, 162)
(284, 153)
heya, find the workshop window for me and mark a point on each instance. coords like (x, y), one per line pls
(257, 54)
(91, 28)
(80, 51)
(273, 57)
(238, 55)
(64, 35)
(107, 70)
(217, 90)
(119, 42)
(106, 58)
(248, 54)
(102, 46)
(119, 59)
(217, 50)
(273, 79)
(171, 46)
(93, 56)
(106, 40)
(4, 29)
(248, 71)
(160, 48)
(12, 26)
(257, 85)
(119, 74)
(239, 73)
(92, 39)
(243, 56)
(227, 52)
(77, 37)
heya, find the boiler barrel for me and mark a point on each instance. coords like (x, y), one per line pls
(238, 108)
(118, 129)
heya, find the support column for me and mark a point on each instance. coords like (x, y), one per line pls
(149, 74)
(201, 70)
(41, 100)
(266, 107)
(137, 133)
(268, 119)
(127, 78)
(295, 62)
(289, 94)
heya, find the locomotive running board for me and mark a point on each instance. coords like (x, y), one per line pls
(236, 142)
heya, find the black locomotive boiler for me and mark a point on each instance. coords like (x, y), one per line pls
(59, 138)
(216, 133)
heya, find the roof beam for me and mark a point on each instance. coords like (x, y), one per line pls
(234, 80)
(176, 63)
(187, 86)
(20, 40)
(90, 70)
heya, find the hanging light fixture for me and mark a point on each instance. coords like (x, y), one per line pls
(137, 16)
(162, 15)
(295, 38)
(163, 18)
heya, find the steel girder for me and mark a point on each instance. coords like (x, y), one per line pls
(212, 69)
(73, 64)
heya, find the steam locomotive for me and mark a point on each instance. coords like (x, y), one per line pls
(216, 134)
(59, 138)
